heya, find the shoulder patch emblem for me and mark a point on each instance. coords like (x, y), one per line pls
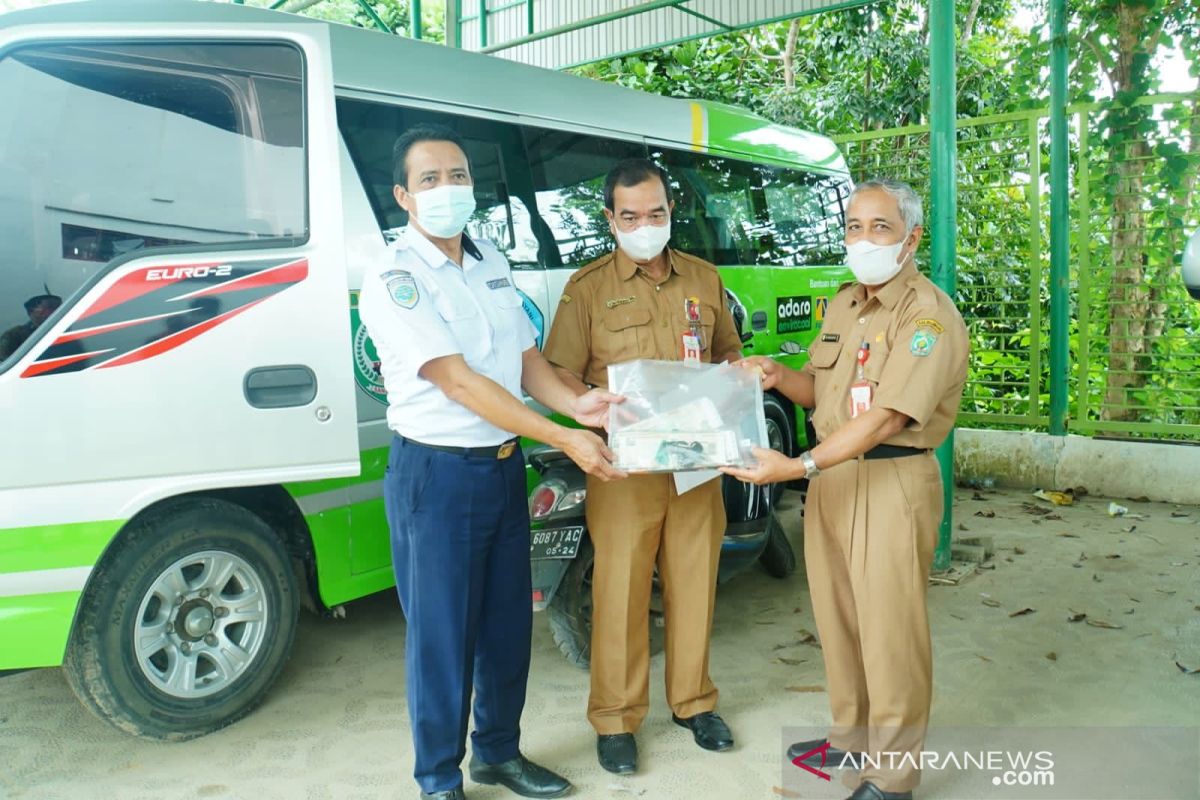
(922, 343)
(932, 324)
(566, 298)
(403, 290)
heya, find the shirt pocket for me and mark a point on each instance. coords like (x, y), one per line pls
(708, 321)
(627, 334)
(466, 324)
(876, 361)
(824, 355)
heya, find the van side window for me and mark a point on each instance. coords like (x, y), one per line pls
(568, 180)
(733, 212)
(112, 148)
(493, 148)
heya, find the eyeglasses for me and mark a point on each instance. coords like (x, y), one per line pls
(629, 222)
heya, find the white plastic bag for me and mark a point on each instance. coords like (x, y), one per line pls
(681, 417)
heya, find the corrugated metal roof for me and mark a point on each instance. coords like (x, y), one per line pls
(646, 24)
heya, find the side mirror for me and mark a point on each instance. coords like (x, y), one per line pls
(1191, 265)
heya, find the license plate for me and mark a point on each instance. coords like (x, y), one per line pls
(555, 542)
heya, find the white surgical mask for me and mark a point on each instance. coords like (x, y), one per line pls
(646, 242)
(443, 211)
(874, 264)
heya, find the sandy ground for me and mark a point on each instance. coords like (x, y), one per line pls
(335, 726)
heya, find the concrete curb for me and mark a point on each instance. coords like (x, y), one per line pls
(1020, 459)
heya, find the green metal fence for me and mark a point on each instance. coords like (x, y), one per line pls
(1134, 335)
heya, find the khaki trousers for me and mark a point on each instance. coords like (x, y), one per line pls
(636, 523)
(870, 530)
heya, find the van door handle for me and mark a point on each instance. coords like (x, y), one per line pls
(280, 387)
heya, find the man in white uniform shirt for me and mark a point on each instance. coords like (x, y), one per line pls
(456, 351)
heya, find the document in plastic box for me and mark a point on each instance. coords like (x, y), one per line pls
(680, 417)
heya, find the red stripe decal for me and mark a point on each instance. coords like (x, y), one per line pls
(293, 272)
(176, 339)
(46, 366)
(132, 286)
(116, 326)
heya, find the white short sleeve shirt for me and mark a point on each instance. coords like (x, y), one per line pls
(420, 306)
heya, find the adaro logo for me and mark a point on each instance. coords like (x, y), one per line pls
(793, 314)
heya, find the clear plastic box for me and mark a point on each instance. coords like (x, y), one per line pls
(680, 417)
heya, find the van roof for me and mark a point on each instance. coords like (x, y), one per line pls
(477, 83)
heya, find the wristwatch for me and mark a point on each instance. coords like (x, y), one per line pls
(810, 465)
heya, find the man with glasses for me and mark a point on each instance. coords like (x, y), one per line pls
(646, 300)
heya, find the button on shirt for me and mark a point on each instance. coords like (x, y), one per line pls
(420, 306)
(612, 311)
(917, 361)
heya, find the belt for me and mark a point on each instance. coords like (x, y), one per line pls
(893, 451)
(497, 451)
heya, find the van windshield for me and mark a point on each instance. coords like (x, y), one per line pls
(106, 149)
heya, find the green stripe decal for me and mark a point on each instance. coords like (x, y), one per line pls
(35, 629)
(55, 546)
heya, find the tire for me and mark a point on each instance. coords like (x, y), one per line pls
(780, 436)
(571, 611)
(210, 588)
(778, 558)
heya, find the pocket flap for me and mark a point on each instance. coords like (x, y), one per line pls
(824, 354)
(622, 317)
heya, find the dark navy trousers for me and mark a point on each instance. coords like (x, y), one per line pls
(460, 550)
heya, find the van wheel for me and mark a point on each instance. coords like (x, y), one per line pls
(571, 610)
(780, 436)
(185, 623)
(778, 558)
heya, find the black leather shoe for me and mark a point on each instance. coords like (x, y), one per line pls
(520, 776)
(869, 791)
(708, 729)
(453, 794)
(617, 753)
(834, 756)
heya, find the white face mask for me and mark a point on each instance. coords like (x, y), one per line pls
(443, 211)
(874, 264)
(646, 242)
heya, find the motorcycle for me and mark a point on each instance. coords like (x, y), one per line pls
(562, 556)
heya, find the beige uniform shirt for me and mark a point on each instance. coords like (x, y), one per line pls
(918, 357)
(612, 311)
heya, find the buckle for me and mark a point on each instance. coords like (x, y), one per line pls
(505, 450)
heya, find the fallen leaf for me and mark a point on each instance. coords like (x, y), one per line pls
(764, 622)
(962, 527)
(1129, 611)
(1055, 517)
(806, 637)
(1134, 599)
(1186, 671)
(1019, 551)
(1037, 511)
(956, 616)
(806, 689)
(620, 787)
(1167, 592)
(1099, 623)
(984, 658)
(1178, 514)
(1009, 559)
(988, 565)
(1066, 535)
(1096, 578)
(791, 662)
(1022, 612)
(978, 496)
(781, 792)
(1179, 563)
(1076, 616)
(1130, 529)
(990, 603)
(797, 610)
(1052, 656)
(1057, 498)
(1113, 555)
(988, 514)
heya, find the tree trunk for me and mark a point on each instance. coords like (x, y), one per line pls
(1131, 308)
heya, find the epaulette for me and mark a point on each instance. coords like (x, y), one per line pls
(587, 269)
(691, 259)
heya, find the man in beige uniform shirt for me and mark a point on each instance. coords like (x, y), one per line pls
(885, 376)
(627, 305)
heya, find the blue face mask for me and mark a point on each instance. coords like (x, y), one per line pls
(444, 210)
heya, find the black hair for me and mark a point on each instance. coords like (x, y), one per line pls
(37, 300)
(426, 132)
(631, 172)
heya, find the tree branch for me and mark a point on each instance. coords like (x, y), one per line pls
(1104, 63)
(757, 49)
(969, 26)
(1153, 39)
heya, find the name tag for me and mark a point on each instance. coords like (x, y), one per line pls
(498, 283)
(831, 337)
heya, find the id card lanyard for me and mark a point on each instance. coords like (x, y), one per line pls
(861, 393)
(693, 340)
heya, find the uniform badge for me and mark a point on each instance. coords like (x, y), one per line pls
(922, 343)
(566, 298)
(831, 337)
(403, 290)
(619, 301)
(932, 324)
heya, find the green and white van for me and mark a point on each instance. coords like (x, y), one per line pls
(193, 444)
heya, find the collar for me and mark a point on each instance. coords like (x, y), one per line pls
(892, 291)
(627, 267)
(429, 252)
